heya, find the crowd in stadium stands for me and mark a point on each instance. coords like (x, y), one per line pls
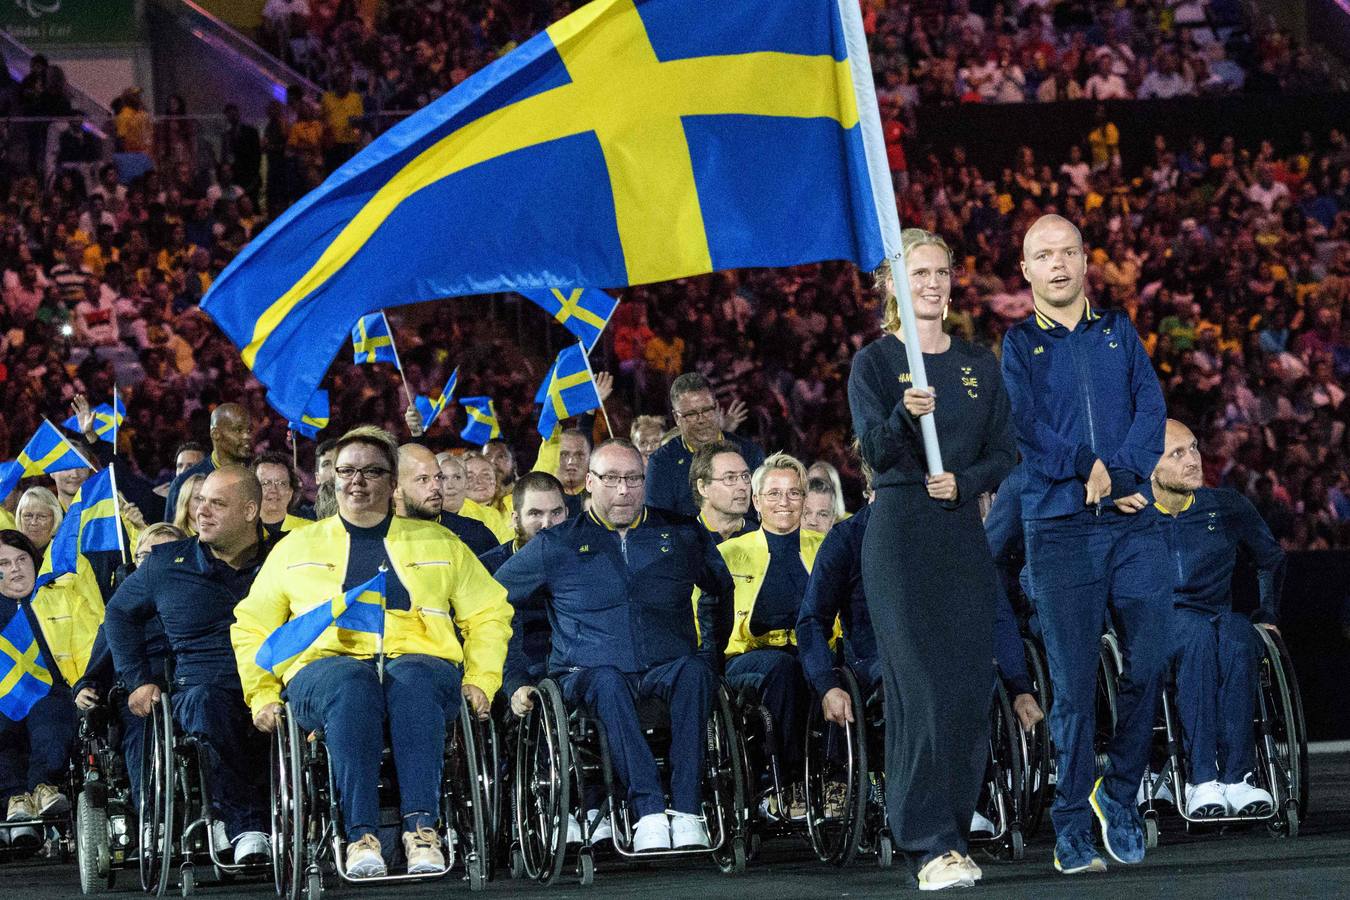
(1233, 260)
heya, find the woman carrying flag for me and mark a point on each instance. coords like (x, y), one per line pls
(37, 728)
(355, 618)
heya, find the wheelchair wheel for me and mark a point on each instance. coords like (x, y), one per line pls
(726, 780)
(1007, 767)
(288, 810)
(92, 850)
(1108, 683)
(157, 800)
(1040, 756)
(472, 768)
(543, 784)
(1283, 742)
(836, 780)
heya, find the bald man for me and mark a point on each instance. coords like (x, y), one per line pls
(231, 445)
(192, 587)
(428, 489)
(1089, 416)
(1216, 648)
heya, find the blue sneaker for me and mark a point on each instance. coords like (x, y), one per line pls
(1075, 854)
(1122, 831)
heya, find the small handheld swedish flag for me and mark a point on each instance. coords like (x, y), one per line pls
(569, 390)
(429, 408)
(373, 340)
(25, 675)
(315, 418)
(360, 609)
(482, 425)
(107, 419)
(90, 525)
(48, 451)
(583, 311)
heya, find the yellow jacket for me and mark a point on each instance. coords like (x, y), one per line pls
(70, 610)
(447, 585)
(747, 558)
(293, 522)
(496, 523)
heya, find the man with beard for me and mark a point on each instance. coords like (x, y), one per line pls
(421, 494)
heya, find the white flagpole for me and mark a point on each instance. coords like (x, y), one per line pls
(379, 636)
(407, 392)
(597, 392)
(116, 400)
(117, 511)
(883, 197)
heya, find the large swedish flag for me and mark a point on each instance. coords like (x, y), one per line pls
(316, 417)
(360, 609)
(633, 141)
(25, 675)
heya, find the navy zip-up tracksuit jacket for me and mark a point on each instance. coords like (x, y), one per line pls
(623, 600)
(1068, 412)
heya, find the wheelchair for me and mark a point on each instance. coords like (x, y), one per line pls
(1281, 747)
(308, 837)
(1038, 787)
(851, 758)
(105, 810)
(559, 752)
(177, 825)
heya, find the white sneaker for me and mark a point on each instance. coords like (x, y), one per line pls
(601, 829)
(21, 808)
(1205, 801)
(652, 833)
(423, 851)
(364, 859)
(219, 838)
(946, 871)
(1246, 799)
(252, 848)
(48, 801)
(981, 826)
(688, 831)
(573, 829)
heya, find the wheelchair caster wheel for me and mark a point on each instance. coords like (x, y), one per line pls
(477, 875)
(753, 849)
(517, 864)
(314, 886)
(1017, 847)
(1150, 833)
(186, 881)
(885, 852)
(1290, 829)
(585, 868)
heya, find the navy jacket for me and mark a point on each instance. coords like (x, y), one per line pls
(835, 588)
(476, 536)
(668, 474)
(622, 600)
(1204, 538)
(527, 658)
(1079, 396)
(193, 594)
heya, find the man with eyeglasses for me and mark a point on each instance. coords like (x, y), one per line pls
(699, 419)
(770, 566)
(192, 589)
(421, 495)
(618, 581)
(435, 588)
(720, 481)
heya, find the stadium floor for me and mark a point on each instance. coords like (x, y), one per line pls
(1244, 864)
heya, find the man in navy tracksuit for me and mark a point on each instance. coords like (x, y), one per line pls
(619, 579)
(698, 417)
(192, 588)
(1216, 648)
(1089, 416)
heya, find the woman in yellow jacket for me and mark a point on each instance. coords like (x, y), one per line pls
(434, 584)
(770, 568)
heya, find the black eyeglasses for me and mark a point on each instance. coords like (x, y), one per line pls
(369, 473)
(613, 480)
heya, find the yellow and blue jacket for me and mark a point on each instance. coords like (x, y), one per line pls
(447, 586)
(69, 612)
(499, 524)
(747, 558)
